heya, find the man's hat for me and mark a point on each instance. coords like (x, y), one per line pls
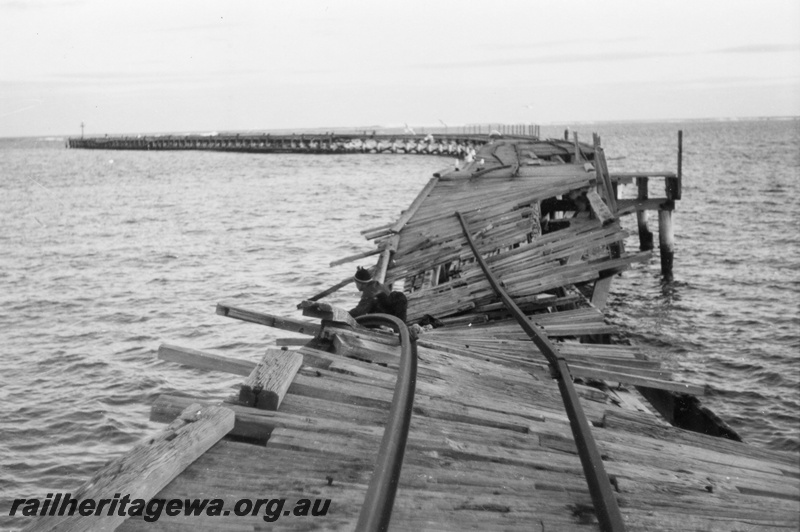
(362, 275)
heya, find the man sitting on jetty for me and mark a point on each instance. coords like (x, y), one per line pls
(376, 298)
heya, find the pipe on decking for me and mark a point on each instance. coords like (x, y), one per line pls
(377, 509)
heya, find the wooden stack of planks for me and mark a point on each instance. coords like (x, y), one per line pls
(490, 446)
(502, 200)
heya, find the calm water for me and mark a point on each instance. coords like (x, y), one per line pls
(105, 255)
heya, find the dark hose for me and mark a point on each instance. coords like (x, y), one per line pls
(378, 504)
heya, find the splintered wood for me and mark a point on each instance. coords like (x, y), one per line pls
(531, 252)
(147, 468)
(269, 380)
(490, 445)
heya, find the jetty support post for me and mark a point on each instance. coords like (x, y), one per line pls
(666, 242)
(645, 235)
(666, 235)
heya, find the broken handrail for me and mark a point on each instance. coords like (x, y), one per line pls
(377, 509)
(605, 504)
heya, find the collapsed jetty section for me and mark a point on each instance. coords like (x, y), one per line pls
(504, 406)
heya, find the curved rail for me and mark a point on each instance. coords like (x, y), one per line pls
(605, 504)
(378, 504)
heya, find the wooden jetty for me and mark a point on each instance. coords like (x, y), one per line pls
(504, 406)
(457, 142)
(332, 143)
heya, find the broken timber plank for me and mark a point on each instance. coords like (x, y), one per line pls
(285, 342)
(409, 213)
(365, 350)
(600, 291)
(357, 256)
(251, 422)
(328, 312)
(146, 469)
(279, 322)
(267, 384)
(630, 175)
(202, 360)
(653, 204)
(597, 373)
(599, 208)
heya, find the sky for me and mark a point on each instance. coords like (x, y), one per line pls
(154, 66)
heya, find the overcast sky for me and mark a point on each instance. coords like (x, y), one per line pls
(174, 66)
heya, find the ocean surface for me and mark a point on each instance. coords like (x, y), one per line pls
(104, 255)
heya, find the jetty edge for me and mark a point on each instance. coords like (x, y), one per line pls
(521, 243)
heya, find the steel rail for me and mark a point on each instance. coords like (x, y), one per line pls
(605, 504)
(377, 509)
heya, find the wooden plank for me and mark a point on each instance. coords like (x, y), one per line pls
(267, 384)
(603, 177)
(630, 175)
(348, 366)
(287, 324)
(331, 290)
(600, 291)
(599, 208)
(382, 266)
(362, 392)
(254, 423)
(577, 156)
(357, 256)
(415, 205)
(203, 360)
(289, 342)
(646, 426)
(380, 336)
(650, 373)
(328, 312)
(365, 350)
(146, 469)
(597, 373)
(631, 205)
(380, 228)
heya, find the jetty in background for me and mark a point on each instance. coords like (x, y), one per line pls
(458, 142)
(503, 402)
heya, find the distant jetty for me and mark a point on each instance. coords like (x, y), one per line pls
(459, 142)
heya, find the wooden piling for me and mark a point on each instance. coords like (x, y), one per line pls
(645, 235)
(666, 242)
(679, 181)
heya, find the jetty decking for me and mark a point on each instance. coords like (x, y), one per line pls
(490, 445)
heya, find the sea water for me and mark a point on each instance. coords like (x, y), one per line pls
(104, 255)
